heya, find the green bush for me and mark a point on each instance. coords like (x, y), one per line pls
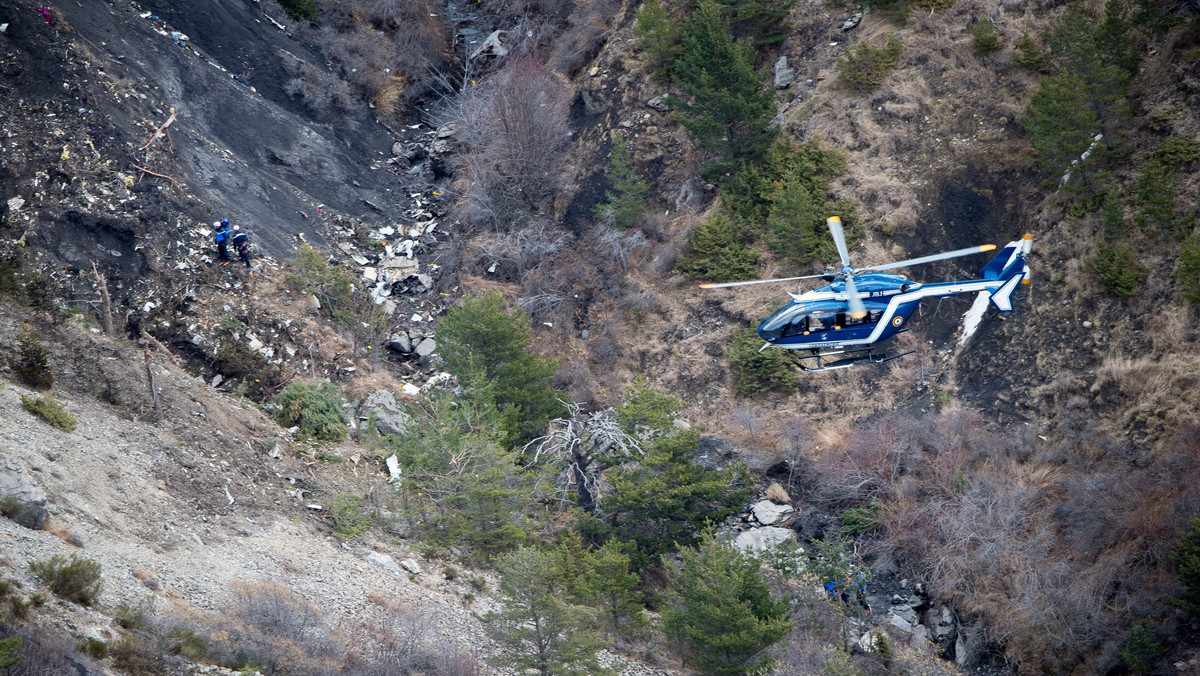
(48, 409)
(715, 253)
(348, 517)
(1117, 269)
(659, 35)
(758, 372)
(75, 579)
(1031, 57)
(32, 360)
(299, 10)
(235, 360)
(859, 520)
(1141, 649)
(315, 408)
(1187, 557)
(92, 647)
(625, 204)
(987, 40)
(863, 67)
(1189, 269)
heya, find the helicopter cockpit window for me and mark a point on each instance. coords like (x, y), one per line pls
(816, 323)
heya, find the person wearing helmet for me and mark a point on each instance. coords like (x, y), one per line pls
(221, 237)
(241, 244)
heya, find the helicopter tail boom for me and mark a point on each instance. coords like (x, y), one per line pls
(1011, 268)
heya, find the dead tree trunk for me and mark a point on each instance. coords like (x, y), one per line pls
(105, 302)
(150, 374)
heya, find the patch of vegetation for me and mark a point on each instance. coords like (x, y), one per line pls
(1031, 56)
(92, 647)
(625, 204)
(758, 372)
(488, 349)
(731, 109)
(987, 40)
(47, 408)
(1189, 269)
(315, 408)
(859, 520)
(235, 360)
(18, 606)
(720, 610)
(716, 253)
(10, 506)
(763, 21)
(1186, 557)
(659, 35)
(864, 67)
(31, 363)
(342, 301)
(1157, 186)
(301, 10)
(1117, 268)
(1141, 649)
(348, 517)
(73, 579)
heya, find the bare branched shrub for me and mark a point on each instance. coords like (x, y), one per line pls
(393, 639)
(515, 253)
(513, 127)
(321, 91)
(276, 610)
(619, 245)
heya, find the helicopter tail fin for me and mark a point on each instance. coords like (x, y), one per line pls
(1011, 268)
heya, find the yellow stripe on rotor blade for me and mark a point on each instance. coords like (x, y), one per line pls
(986, 247)
(1028, 236)
(707, 286)
(859, 315)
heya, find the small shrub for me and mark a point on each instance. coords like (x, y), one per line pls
(188, 643)
(450, 573)
(92, 647)
(758, 372)
(10, 506)
(18, 606)
(300, 10)
(1031, 57)
(75, 579)
(315, 409)
(859, 520)
(134, 618)
(1187, 557)
(1140, 649)
(348, 518)
(659, 35)
(987, 40)
(48, 409)
(863, 68)
(1117, 269)
(626, 202)
(31, 362)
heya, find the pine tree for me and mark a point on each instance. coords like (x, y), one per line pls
(1189, 278)
(9, 647)
(626, 203)
(1060, 123)
(664, 501)
(611, 586)
(659, 36)
(538, 628)
(731, 110)
(716, 253)
(721, 610)
(484, 345)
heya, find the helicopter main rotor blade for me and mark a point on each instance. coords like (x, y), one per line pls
(839, 238)
(857, 309)
(929, 259)
(758, 281)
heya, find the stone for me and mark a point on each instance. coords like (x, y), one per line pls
(425, 281)
(691, 196)
(868, 642)
(901, 623)
(411, 566)
(389, 418)
(25, 499)
(768, 512)
(399, 342)
(760, 539)
(593, 104)
(217, 379)
(426, 347)
(383, 561)
(776, 494)
(785, 75)
(659, 103)
(852, 22)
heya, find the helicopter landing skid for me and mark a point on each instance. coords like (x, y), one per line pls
(848, 358)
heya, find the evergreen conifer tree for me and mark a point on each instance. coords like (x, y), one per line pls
(485, 346)
(730, 111)
(626, 203)
(721, 610)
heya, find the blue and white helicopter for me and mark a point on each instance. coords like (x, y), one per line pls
(862, 308)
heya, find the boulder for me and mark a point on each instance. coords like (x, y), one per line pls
(760, 539)
(785, 75)
(659, 103)
(426, 347)
(768, 512)
(776, 494)
(592, 103)
(399, 342)
(383, 561)
(389, 418)
(411, 566)
(869, 642)
(20, 499)
(691, 196)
